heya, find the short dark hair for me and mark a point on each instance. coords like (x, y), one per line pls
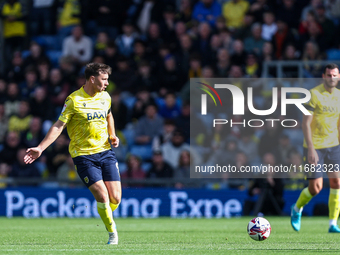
(95, 69)
(330, 66)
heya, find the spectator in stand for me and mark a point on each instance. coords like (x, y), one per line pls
(68, 69)
(239, 54)
(215, 45)
(36, 55)
(57, 89)
(207, 11)
(183, 170)
(41, 106)
(254, 42)
(8, 154)
(41, 17)
(119, 110)
(139, 53)
(21, 121)
(33, 136)
(184, 52)
(252, 68)
(153, 39)
(28, 86)
(269, 27)
(203, 41)
(14, 27)
(167, 25)
(285, 149)
(70, 12)
(107, 17)
(327, 25)
(269, 140)
(43, 72)
(15, 72)
(245, 31)
(304, 24)
(171, 78)
(172, 150)
(149, 126)
(126, 40)
(184, 12)
(67, 171)
(101, 43)
(314, 34)
(22, 170)
(57, 155)
(282, 37)
(134, 169)
(143, 99)
(111, 54)
(166, 135)
(248, 146)
(234, 12)
(124, 77)
(78, 46)
(289, 13)
(3, 90)
(146, 12)
(290, 53)
(159, 168)
(223, 63)
(3, 123)
(268, 55)
(180, 30)
(170, 109)
(12, 102)
(259, 7)
(311, 53)
(145, 78)
(4, 171)
(310, 8)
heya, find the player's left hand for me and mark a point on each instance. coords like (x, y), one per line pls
(114, 141)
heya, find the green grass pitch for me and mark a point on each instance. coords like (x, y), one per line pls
(164, 236)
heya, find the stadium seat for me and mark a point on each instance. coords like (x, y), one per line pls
(161, 102)
(122, 167)
(142, 151)
(48, 42)
(333, 54)
(146, 167)
(129, 102)
(129, 134)
(54, 56)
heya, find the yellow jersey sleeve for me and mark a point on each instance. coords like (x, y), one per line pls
(68, 111)
(311, 105)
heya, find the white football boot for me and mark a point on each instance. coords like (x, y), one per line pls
(113, 237)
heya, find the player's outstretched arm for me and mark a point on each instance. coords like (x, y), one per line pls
(313, 157)
(51, 136)
(111, 129)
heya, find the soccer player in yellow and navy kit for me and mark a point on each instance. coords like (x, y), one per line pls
(321, 147)
(90, 125)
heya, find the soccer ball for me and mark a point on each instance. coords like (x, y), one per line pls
(259, 229)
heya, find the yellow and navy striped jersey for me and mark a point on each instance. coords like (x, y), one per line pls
(325, 109)
(86, 122)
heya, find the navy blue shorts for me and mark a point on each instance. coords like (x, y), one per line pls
(96, 167)
(329, 162)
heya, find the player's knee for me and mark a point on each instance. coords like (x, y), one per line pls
(334, 183)
(115, 199)
(315, 189)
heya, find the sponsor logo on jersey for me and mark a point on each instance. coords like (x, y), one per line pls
(96, 115)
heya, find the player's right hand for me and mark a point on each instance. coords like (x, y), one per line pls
(313, 157)
(32, 154)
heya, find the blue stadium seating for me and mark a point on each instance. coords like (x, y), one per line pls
(333, 54)
(129, 134)
(48, 42)
(54, 56)
(143, 151)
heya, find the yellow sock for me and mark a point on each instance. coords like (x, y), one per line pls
(105, 213)
(114, 206)
(333, 204)
(304, 198)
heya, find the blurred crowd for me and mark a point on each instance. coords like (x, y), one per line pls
(154, 47)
